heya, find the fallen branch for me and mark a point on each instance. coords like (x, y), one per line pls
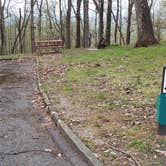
(127, 154)
(161, 152)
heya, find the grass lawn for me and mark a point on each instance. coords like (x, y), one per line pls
(11, 56)
(108, 98)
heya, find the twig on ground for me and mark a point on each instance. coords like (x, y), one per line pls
(127, 154)
(161, 152)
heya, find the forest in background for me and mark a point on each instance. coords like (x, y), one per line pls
(80, 23)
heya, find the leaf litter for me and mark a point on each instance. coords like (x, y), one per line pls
(107, 110)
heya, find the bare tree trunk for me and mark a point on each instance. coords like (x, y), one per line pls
(120, 22)
(23, 31)
(39, 6)
(108, 23)
(10, 32)
(78, 26)
(101, 22)
(68, 25)
(61, 20)
(116, 22)
(20, 32)
(100, 10)
(151, 4)
(2, 29)
(120, 32)
(32, 26)
(96, 28)
(128, 31)
(145, 32)
(86, 24)
(51, 34)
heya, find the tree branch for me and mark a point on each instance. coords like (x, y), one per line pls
(127, 154)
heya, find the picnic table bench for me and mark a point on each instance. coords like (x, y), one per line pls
(55, 45)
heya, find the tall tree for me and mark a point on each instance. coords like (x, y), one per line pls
(2, 27)
(145, 36)
(116, 22)
(101, 21)
(22, 27)
(61, 20)
(100, 9)
(32, 25)
(86, 24)
(151, 4)
(68, 25)
(51, 34)
(118, 28)
(128, 31)
(20, 32)
(96, 28)
(78, 26)
(108, 23)
(40, 6)
(120, 21)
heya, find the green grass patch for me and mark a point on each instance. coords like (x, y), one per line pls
(141, 67)
(100, 116)
(115, 90)
(68, 88)
(11, 56)
(116, 55)
(76, 74)
(141, 146)
(101, 96)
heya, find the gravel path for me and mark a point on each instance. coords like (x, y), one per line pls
(28, 137)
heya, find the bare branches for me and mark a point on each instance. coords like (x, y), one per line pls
(123, 40)
(96, 4)
(151, 4)
(4, 3)
(39, 5)
(127, 154)
(73, 9)
(22, 30)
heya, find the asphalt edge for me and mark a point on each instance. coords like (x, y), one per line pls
(65, 130)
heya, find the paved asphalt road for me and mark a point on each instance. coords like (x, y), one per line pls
(28, 137)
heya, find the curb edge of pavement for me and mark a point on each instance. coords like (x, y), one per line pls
(66, 131)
